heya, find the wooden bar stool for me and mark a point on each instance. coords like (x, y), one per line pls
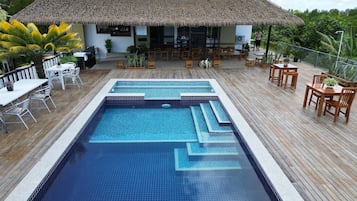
(294, 76)
(216, 63)
(188, 63)
(250, 62)
(151, 64)
(120, 64)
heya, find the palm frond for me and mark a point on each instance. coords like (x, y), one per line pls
(50, 46)
(34, 47)
(12, 38)
(64, 27)
(53, 33)
(7, 44)
(5, 26)
(32, 27)
(37, 37)
(21, 30)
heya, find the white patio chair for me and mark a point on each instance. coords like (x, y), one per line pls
(43, 95)
(54, 77)
(2, 123)
(74, 77)
(20, 109)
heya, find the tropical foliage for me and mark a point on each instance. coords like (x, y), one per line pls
(3, 14)
(19, 39)
(320, 26)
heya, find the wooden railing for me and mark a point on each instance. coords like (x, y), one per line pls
(24, 72)
(50, 61)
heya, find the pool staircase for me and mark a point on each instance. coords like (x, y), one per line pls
(216, 148)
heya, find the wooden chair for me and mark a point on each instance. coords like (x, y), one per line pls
(120, 64)
(294, 76)
(317, 79)
(186, 54)
(151, 64)
(345, 100)
(272, 76)
(151, 54)
(188, 63)
(175, 54)
(164, 54)
(196, 54)
(250, 62)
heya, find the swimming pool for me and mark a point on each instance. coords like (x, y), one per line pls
(171, 150)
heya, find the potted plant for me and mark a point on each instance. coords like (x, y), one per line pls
(66, 59)
(131, 49)
(108, 45)
(330, 82)
(267, 60)
(286, 61)
(136, 61)
(345, 75)
(9, 85)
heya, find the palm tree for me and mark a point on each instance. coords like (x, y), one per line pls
(17, 39)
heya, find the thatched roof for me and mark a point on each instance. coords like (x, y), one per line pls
(157, 12)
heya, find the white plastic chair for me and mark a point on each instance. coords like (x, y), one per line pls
(74, 77)
(20, 109)
(43, 95)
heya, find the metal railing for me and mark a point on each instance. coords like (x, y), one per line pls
(322, 59)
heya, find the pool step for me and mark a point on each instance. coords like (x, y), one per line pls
(198, 149)
(211, 120)
(203, 134)
(184, 163)
(219, 112)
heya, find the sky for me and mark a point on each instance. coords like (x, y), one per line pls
(302, 5)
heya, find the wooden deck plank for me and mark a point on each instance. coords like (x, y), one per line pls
(317, 155)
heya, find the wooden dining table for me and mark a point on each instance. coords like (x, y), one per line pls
(281, 68)
(323, 91)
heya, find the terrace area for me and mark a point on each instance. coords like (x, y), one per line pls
(318, 156)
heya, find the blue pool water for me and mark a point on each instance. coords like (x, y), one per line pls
(162, 89)
(146, 152)
(145, 125)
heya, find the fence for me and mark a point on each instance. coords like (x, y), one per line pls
(322, 59)
(24, 72)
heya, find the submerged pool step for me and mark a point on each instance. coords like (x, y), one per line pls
(219, 112)
(212, 124)
(198, 149)
(184, 163)
(203, 135)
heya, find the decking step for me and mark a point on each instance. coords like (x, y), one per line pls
(197, 149)
(184, 163)
(220, 113)
(212, 124)
(202, 131)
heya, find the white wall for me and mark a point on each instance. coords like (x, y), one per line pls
(119, 43)
(246, 32)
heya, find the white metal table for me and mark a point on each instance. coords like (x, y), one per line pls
(21, 88)
(57, 71)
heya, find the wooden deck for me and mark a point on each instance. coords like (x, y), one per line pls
(318, 156)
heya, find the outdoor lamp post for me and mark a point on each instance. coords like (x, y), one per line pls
(339, 48)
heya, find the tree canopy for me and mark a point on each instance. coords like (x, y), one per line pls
(318, 26)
